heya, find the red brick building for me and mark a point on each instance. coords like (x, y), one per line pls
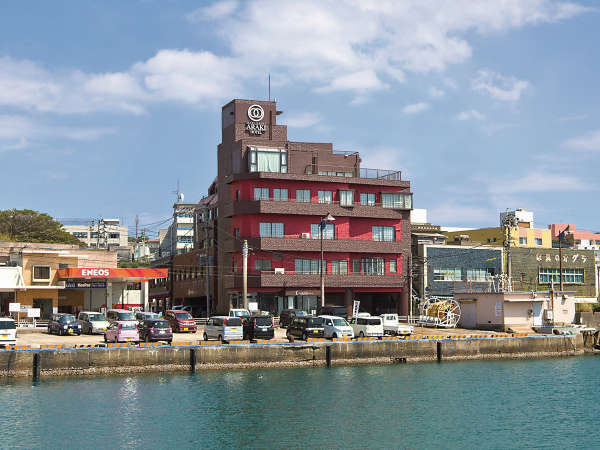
(274, 192)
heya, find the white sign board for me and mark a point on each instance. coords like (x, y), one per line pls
(355, 308)
(33, 312)
(14, 307)
(253, 306)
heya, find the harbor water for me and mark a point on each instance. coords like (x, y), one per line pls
(550, 403)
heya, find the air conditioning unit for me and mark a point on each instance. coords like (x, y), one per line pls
(279, 270)
(305, 235)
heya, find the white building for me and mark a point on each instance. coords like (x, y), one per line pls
(100, 233)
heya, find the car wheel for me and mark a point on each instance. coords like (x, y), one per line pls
(105, 340)
(304, 337)
(147, 340)
(290, 337)
(49, 330)
(334, 336)
(362, 335)
(205, 337)
(170, 341)
(220, 339)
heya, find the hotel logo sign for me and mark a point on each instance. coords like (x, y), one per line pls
(256, 113)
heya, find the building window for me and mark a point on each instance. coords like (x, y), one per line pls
(80, 234)
(447, 274)
(262, 265)
(325, 196)
(234, 266)
(41, 273)
(538, 241)
(373, 266)
(328, 233)
(356, 266)
(303, 195)
(570, 276)
(114, 235)
(367, 199)
(385, 234)
(261, 193)
(269, 229)
(236, 233)
(185, 239)
(393, 266)
(346, 198)
(522, 241)
(339, 267)
(267, 160)
(94, 234)
(280, 195)
(308, 266)
(184, 226)
(477, 274)
(396, 201)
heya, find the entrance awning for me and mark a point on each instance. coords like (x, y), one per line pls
(11, 278)
(138, 274)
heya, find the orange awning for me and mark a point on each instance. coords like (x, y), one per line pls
(138, 274)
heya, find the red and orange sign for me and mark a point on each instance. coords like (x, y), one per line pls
(143, 273)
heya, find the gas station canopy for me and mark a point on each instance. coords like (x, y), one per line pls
(138, 274)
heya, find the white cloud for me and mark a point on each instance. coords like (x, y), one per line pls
(454, 214)
(536, 182)
(589, 142)
(415, 108)
(303, 120)
(215, 11)
(499, 87)
(435, 92)
(472, 114)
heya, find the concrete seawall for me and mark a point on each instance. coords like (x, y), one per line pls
(22, 363)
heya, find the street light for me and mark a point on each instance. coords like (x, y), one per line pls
(324, 220)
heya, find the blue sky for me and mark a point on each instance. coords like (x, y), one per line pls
(484, 105)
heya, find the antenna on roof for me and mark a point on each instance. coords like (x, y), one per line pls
(269, 86)
(178, 193)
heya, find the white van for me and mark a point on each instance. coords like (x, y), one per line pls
(223, 328)
(336, 327)
(8, 331)
(371, 326)
(392, 326)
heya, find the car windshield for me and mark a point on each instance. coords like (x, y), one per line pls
(96, 317)
(183, 316)
(7, 325)
(159, 324)
(233, 322)
(240, 313)
(127, 326)
(340, 323)
(126, 316)
(370, 321)
(301, 313)
(66, 319)
(313, 322)
(263, 321)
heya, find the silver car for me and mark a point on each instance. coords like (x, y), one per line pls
(92, 322)
(224, 328)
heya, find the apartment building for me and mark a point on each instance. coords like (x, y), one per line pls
(102, 233)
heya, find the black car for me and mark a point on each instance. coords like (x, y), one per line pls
(305, 327)
(63, 324)
(152, 330)
(339, 311)
(287, 315)
(258, 327)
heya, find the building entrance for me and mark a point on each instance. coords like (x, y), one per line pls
(45, 305)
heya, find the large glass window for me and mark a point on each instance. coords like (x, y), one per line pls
(325, 196)
(396, 201)
(311, 266)
(271, 229)
(346, 198)
(570, 276)
(303, 195)
(280, 195)
(356, 266)
(267, 160)
(386, 234)
(261, 193)
(328, 233)
(80, 234)
(367, 199)
(339, 267)
(373, 266)
(393, 268)
(447, 274)
(477, 274)
(262, 265)
(538, 241)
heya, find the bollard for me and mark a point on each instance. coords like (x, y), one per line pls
(193, 359)
(36, 367)
(439, 352)
(328, 355)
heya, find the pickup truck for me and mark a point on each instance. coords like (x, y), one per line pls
(392, 326)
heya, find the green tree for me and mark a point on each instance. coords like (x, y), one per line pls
(26, 225)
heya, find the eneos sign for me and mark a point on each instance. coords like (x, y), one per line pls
(95, 272)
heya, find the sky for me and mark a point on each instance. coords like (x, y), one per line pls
(483, 105)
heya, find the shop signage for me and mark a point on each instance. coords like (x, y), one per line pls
(14, 307)
(256, 114)
(33, 312)
(95, 272)
(566, 258)
(256, 128)
(355, 308)
(85, 284)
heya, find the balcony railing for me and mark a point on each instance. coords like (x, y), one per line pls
(291, 279)
(353, 172)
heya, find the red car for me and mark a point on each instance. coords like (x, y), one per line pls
(181, 321)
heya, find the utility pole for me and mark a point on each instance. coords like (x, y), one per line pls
(137, 223)
(410, 287)
(245, 273)
(206, 265)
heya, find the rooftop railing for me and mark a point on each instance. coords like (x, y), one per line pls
(354, 172)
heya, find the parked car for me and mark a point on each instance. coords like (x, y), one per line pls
(152, 330)
(63, 324)
(338, 311)
(120, 315)
(258, 327)
(335, 327)
(370, 326)
(223, 328)
(92, 322)
(239, 313)
(392, 326)
(181, 321)
(122, 332)
(305, 327)
(140, 316)
(8, 331)
(287, 315)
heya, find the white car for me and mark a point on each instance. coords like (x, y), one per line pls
(224, 328)
(392, 326)
(239, 313)
(92, 322)
(369, 326)
(8, 331)
(336, 327)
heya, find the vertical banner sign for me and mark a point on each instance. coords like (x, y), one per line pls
(499, 309)
(355, 308)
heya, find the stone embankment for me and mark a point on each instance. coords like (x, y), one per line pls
(128, 359)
